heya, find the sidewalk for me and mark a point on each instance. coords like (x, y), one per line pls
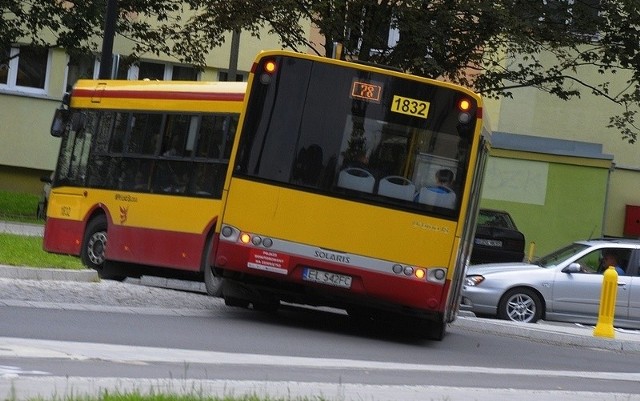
(33, 230)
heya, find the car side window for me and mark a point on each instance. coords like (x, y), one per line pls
(598, 261)
(590, 263)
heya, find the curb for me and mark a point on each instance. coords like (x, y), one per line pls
(545, 333)
(34, 273)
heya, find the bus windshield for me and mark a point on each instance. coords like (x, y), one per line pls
(378, 146)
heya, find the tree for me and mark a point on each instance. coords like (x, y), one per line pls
(492, 46)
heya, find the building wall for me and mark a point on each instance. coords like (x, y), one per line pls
(554, 200)
(28, 151)
(623, 191)
(533, 112)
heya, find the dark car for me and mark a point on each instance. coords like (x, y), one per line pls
(497, 238)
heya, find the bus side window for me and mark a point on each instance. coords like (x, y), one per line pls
(177, 131)
(119, 131)
(210, 137)
(145, 131)
(208, 180)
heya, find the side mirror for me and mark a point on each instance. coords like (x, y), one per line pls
(572, 268)
(59, 123)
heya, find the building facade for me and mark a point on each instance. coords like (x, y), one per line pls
(33, 83)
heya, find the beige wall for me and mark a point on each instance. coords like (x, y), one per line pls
(25, 132)
(623, 190)
(27, 148)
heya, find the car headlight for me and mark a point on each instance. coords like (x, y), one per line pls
(472, 281)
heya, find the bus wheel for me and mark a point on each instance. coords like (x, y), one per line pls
(267, 306)
(212, 281)
(95, 244)
(436, 330)
(237, 302)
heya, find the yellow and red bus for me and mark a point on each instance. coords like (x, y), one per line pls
(140, 173)
(351, 186)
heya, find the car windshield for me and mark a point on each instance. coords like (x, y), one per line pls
(560, 255)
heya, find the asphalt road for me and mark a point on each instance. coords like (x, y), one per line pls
(92, 336)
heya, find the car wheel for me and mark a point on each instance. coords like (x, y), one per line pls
(95, 244)
(520, 305)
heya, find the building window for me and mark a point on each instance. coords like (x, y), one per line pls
(25, 69)
(181, 73)
(162, 72)
(153, 71)
(80, 67)
(224, 76)
(5, 55)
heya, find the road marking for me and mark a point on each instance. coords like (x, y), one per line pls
(10, 372)
(20, 347)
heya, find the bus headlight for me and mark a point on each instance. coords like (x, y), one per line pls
(229, 233)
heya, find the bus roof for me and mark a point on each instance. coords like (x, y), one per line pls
(195, 96)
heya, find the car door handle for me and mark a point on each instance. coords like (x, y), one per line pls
(623, 285)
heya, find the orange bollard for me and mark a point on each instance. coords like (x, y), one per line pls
(606, 312)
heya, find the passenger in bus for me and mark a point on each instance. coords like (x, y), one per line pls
(441, 194)
(175, 148)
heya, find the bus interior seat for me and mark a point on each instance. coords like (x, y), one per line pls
(357, 179)
(433, 196)
(395, 186)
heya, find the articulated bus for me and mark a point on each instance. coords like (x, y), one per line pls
(351, 186)
(140, 173)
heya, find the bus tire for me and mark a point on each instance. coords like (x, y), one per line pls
(94, 244)
(213, 282)
(436, 330)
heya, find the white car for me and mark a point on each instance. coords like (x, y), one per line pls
(563, 286)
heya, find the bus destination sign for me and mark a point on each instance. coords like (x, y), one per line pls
(368, 91)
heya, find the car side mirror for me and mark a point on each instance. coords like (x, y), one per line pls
(572, 268)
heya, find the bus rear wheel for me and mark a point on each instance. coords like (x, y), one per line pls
(212, 280)
(94, 244)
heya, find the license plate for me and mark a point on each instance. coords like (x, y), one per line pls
(319, 276)
(489, 242)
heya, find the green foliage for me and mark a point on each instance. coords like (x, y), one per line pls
(494, 47)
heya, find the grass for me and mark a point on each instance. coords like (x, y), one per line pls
(18, 250)
(19, 207)
(155, 396)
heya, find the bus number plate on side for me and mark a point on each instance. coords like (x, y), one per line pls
(319, 276)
